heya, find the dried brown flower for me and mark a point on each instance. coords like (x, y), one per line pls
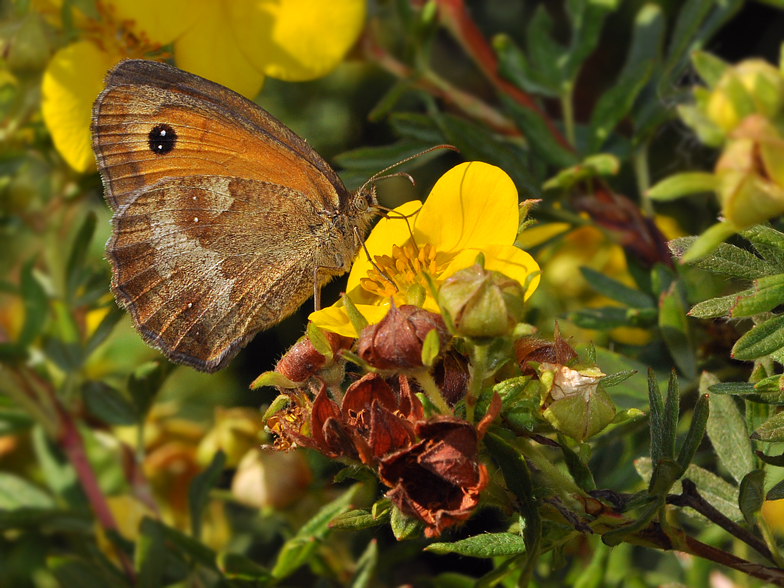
(557, 351)
(396, 342)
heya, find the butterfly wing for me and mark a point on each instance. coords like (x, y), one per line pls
(154, 121)
(203, 263)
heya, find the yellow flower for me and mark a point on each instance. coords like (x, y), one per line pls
(235, 43)
(472, 209)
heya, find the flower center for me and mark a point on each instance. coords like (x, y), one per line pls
(405, 268)
(115, 36)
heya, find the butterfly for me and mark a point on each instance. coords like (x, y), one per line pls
(225, 221)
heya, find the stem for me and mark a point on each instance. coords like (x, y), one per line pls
(567, 109)
(425, 380)
(477, 370)
(770, 541)
(642, 173)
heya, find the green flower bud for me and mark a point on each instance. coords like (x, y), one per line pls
(481, 303)
(29, 49)
(752, 86)
(574, 404)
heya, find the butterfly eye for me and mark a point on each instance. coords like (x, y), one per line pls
(360, 202)
(162, 139)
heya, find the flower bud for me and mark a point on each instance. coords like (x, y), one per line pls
(482, 303)
(574, 404)
(752, 86)
(304, 361)
(29, 49)
(396, 342)
(750, 171)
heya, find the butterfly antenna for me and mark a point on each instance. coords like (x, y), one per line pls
(378, 175)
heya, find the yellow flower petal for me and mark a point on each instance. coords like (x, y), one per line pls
(296, 40)
(473, 205)
(72, 80)
(386, 234)
(161, 22)
(335, 320)
(209, 49)
(507, 259)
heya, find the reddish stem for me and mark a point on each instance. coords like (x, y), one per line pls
(72, 444)
(456, 19)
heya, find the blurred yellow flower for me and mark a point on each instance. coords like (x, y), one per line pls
(234, 43)
(472, 209)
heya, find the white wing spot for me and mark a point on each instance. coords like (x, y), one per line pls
(190, 304)
(195, 219)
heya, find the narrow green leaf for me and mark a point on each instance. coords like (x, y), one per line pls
(611, 317)
(727, 431)
(658, 443)
(74, 571)
(683, 184)
(236, 566)
(150, 555)
(366, 567)
(199, 490)
(355, 520)
(587, 18)
(514, 67)
(273, 380)
(710, 240)
(716, 307)
(280, 402)
(616, 290)
(319, 341)
(108, 404)
(699, 422)
(768, 242)
(613, 106)
(774, 460)
(776, 492)
(36, 305)
(762, 340)
(298, 550)
(546, 55)
(671, 413)
(420, 128)
(767, 294)
(752, 494)
(726, 259)
(47, 521)
(739, 388)
(75, 265)
(16, 492)
(431, 347)
(189, 546)
(404, 527)
(647, 38)
(484, 545)
(710, 67)
(579, 471)
(690, 18)
(144, 383)
(540, 139)
(675, 331)
(665, 474)
(616, 379)
(772, 430)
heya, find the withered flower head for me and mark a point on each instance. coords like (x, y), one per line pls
(439, 479)
(451, 376)
(557, 351)
(304, 361)
(396, 342)
(482, 303)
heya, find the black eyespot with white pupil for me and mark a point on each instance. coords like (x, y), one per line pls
(162, 139)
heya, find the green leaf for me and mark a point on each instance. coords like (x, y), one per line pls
(579, 471)
(74, 269)
(611, 317)
(144, 383)
(716, 307)
(281, 401)
(431, 347)
(484, 545)
(771, 431)
(366, 567)
(540, 138)
(762, 340)
(683, 184)
(16, 492)
(647, 38)
(75, 571)
(710, 240)
(47, 521)
(658, 442)
(513, 66)
(675, 331)
(547, 56)
(671, 412)
(776, 492)
(752, 495)
(36, 305)
(199, 491)
(615, 379)
(108, 404)
(613, 106)
(417, 127)
(727, 259)
(768, 242)
(298, 550)
(319, 341)
(273, 380)
(189, 546)
(727, 431)
(697, 427)
(616, 290)
(587, 18)
(710, 67)
(707, 131)
(150, 555)
(767, 294)
(690, 18)
(602, 164)
(236, 566)
(354, 520)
